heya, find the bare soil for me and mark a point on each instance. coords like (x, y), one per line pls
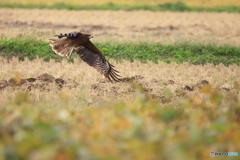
(49, 80)
(165, 27)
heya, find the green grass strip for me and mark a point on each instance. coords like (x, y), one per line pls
(184, 52)
(178, 6)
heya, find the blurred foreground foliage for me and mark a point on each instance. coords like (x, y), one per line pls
(170, 6)
(187, 128)
(27, 47)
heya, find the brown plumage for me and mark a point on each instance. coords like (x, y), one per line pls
(86, 50)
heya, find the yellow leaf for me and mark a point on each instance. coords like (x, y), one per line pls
(124, 122)
(201, 120)
(197, 100)
(206, 88)
(212, 105)
(61, 155)
(17, 78)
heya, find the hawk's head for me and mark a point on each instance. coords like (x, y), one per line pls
(83, 37)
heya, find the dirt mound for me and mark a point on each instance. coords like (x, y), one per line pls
(41, 81)
(44, 80)
(191, 87)
(163, 89)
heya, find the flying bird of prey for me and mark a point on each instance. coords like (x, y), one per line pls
(86, 50)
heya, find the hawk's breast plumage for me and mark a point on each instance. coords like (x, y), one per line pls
(87, 51)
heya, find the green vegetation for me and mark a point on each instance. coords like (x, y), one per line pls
(182, 52)
(143, 129)
(26, 47)
(178, 6)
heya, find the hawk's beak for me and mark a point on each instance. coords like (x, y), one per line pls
(90, 36)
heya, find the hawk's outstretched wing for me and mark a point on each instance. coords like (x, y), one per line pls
(62, 47)
(87, 51)
(98, 62)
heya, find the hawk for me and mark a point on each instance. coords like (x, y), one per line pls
(86, 50)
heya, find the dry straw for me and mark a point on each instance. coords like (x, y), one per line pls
(85, 85)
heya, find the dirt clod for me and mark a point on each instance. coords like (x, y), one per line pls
(31, 79)
(46, 77)
(188, 87)
(42, 82)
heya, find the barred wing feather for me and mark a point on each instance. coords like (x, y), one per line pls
(98, 62)
(61, 47)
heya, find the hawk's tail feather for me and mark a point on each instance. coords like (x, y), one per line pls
(114, 69)
(110, 77)
(61, 47)
(113, 75)
(98, 61)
